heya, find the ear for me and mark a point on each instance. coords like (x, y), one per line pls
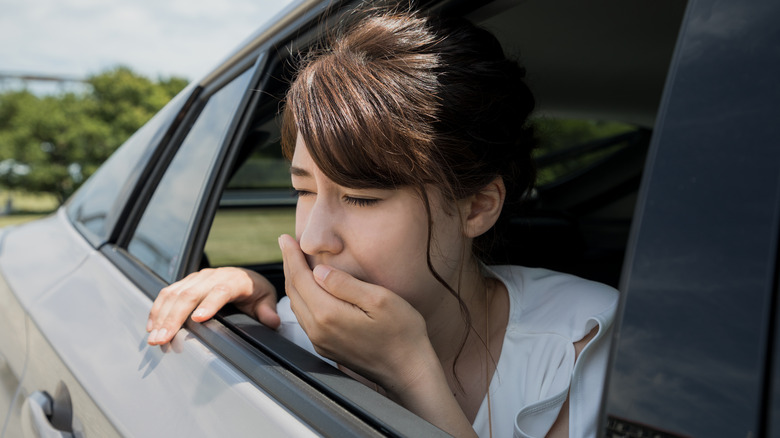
(481, 210)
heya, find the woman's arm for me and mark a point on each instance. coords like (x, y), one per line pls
(375, 333)
(430, 397)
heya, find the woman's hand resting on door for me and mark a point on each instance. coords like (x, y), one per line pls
(201, 294)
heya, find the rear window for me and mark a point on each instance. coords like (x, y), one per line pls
(569, 146)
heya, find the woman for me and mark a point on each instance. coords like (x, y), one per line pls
(406, 136)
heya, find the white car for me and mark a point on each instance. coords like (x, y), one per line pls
(678, 208)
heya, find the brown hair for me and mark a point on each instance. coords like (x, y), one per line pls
(400, 99)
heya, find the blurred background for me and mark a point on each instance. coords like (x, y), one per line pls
(78, 77)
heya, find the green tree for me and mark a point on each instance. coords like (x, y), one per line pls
(558, 135)
(52, 143)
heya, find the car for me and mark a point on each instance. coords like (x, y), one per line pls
(659, 174)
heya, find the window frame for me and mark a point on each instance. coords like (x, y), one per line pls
(219, 178)
(165, 153)
(687, 154)
(214, 162)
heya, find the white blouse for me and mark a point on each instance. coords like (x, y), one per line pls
(549, 312)
(536, 371)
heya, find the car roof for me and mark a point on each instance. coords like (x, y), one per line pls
(603, 59)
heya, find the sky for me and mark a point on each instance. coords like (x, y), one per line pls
(76, 38)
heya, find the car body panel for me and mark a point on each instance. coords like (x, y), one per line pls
(103, 359)
(13, 349)
(26, 248)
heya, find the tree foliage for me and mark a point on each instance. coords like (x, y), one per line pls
(52, 143)
(558, 135)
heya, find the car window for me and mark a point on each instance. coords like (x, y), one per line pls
(570, 146)
(159, 239)
(92, 205)
(257, 205)
(578, 217)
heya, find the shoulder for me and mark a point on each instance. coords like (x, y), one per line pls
(549, 301)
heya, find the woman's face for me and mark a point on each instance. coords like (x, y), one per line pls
(378, 236)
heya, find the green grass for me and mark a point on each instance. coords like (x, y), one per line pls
(16, 219)
(24, 202)
(237, 237)
(25, 207)
(248, 236)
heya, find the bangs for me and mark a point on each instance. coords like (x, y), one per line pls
(365, 122)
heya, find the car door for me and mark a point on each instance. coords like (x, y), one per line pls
(90, 371)
(35, 256)
(13, 349)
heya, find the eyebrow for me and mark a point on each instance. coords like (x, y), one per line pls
(297, 171)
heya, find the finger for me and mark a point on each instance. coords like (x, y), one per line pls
(265, 309)
(291, 255)
(348, 288)
(297, 304)
(283, 243)
(297, 271)
(164, 299)
(263, 306)
(167, 293)
(216, 298)
(268, 316)
(169, 300)
(336, 282)
(173, 315)
(312, 305)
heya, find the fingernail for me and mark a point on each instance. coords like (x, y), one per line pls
(153, 336)
(149, 325)
(161, 334)
(281, 242)
(198, 313)
(321, 271)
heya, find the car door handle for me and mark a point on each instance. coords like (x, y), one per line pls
(36, 413)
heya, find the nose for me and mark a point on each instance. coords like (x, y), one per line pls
(319, 228)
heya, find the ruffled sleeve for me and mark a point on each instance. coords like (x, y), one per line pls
(536, 370)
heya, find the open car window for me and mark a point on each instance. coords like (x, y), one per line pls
(577, 219)
(256, 206)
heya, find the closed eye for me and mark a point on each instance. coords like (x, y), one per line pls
(361, 202)
(301, 193)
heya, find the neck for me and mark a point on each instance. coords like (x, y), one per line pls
(447, 326)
